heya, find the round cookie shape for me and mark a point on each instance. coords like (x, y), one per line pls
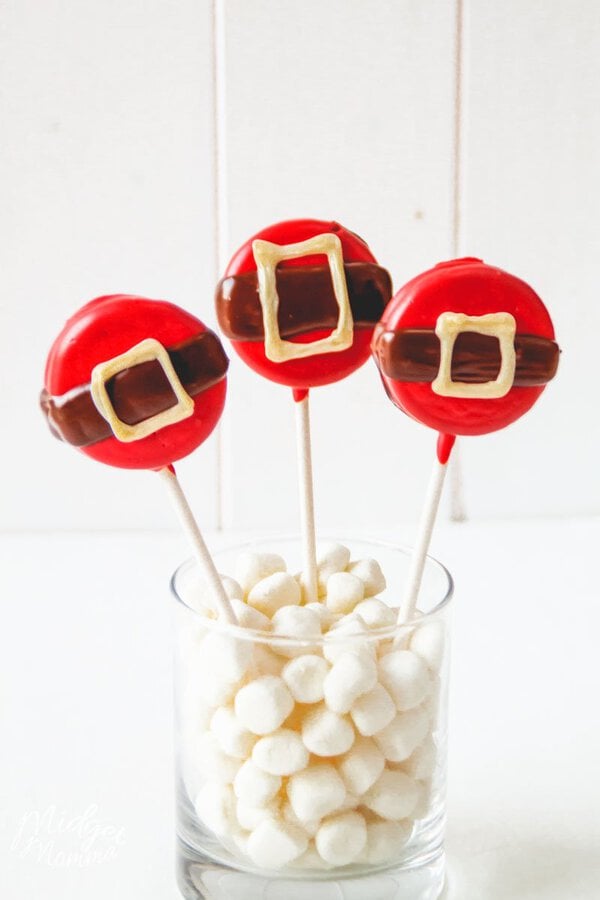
(323, 367)
(404, 352)
(114, 326)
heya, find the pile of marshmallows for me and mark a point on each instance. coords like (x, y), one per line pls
(315, 755)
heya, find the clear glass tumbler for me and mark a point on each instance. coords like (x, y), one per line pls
(313, 767)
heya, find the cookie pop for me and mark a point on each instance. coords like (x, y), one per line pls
(139, 384)
(303, 323)
(466, 349)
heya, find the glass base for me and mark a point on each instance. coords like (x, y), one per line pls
(201, 878)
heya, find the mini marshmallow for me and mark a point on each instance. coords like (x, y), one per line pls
(373, 711)
(248, 617)
(376, 613)
(190, 632)
(215, 806)
(432, 701)
(264, 704)
(423, 807)
(273, 845)
(202, 715)
(361, 766)
(384, 839)
(233, 738)
(331, 558)
(213, 762)
(310, 859)
(325, 733)
(196, 595)
(194, 602)
(290, 817)
(214, 690)
(393, 796)
(199, 595)
(349, 678)
(428, 642)
(421, 763)
(233, 590)
(336, 556)
(348, 635)
(297, 622)
(341, 839)
(351, 623)
(250, 817)
(191, 706)
(325, 615)
(255, 787)
(369, 572)
(398, 740)
(405, 677)
(191, 746)
(315, 792)
(351, 802)
(344, 591)
(281, 753)
(273, 592)
(305, 677)
(250, 568)
(226, 656)
(265, 662)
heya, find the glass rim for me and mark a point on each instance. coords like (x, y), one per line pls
(266, 637)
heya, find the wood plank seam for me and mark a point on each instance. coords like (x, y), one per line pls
(457, 505)
(219, 210)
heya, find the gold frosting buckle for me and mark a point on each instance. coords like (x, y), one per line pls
(267, 255)
(500, 325)
(146, 351)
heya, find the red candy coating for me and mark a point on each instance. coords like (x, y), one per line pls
(324, 368)
(109, 326)
(471, 287)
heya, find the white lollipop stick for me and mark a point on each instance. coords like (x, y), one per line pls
(205, 561)
(307, 503)
(425, 530)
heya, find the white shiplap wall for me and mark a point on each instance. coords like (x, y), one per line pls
(141, 137)
(107, 177)
(530, 201)
(346, 111)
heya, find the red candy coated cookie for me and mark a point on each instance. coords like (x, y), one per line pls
(407, 350)
(109, 327)
(321, 368)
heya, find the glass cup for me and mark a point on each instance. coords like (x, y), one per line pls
(283, 794)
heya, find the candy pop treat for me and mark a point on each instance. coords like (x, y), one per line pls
(134, 383)
(466, 349)
(138, 384)
(295, 318)
(299, 302)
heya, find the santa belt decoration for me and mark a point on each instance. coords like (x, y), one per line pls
(415, 355)
(138, 392)
(307, 300)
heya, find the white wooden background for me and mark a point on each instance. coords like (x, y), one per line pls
(144, 140)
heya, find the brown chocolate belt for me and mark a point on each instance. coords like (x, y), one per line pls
(136, 393)
(413, 355)
(306, 300)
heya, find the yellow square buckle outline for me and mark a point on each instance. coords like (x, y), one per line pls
(267, 255)
(146, 351)
(500, 325)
